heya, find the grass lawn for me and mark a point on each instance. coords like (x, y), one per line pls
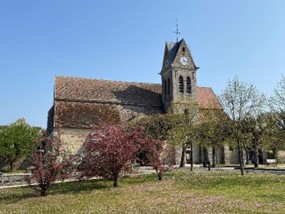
(179, 192)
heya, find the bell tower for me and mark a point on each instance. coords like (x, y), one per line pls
(178, 75)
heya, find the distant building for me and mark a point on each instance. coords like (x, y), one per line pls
(79, 103)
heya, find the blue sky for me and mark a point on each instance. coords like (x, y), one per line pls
(124, 40)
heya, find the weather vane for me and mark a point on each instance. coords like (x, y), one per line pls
(177, 31)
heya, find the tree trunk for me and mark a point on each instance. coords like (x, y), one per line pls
(240, 155)
(274, 150)
(159, 175)
(115, 184)
(182, 161)
(213, 156)
(11, 165)
(43, 189)
(255, 156)
(191, 156)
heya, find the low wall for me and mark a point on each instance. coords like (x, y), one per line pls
(13, 179)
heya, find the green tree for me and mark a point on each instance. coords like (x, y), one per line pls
(241, 100)
(213, 130)
(156, 126)
(175, 127)
(183, 132)
(277, 117)
(274, 133)
(277, 101)
(253, 131)
(17, 141)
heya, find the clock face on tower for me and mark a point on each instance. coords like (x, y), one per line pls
(183, 60)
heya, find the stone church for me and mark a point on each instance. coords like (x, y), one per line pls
(79, 102)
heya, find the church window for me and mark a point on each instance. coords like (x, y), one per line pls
(188, 85)
(183, 50)
(168, 86)
(181, 85)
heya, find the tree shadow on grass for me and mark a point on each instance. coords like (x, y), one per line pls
(138, 179)
(13, 195)
(77, 187)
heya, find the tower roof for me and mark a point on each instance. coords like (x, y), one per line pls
(173, 51)
(172, 48)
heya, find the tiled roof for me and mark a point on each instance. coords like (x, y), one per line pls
(85, 115)
(80, 102)
(93, 90)
(128, 93)
(207, 98)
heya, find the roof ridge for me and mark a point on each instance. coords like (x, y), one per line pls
(116, 81)
(204, 87)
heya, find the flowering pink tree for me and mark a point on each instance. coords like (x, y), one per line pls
(50, 163)
(151, 148)
(111, 149)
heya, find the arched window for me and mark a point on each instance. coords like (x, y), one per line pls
(183, 50)
(181, 85)
(168, 86)
(188, 85)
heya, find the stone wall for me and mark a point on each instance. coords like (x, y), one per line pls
(196, 155)
(220, 157)
(20, 164)
(234, 159)
(13, 179)
(168, 154)
(72, 139)
(281, 156)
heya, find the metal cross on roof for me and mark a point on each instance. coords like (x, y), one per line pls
(176, 32)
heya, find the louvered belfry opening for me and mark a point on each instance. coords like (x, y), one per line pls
(188, 85)
(181, 85)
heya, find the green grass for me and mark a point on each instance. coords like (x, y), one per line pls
(13, 172)
(179, 192)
